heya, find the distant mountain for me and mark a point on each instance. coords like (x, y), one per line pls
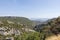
(39, 19)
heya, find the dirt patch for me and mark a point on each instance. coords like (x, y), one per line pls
(54, 37)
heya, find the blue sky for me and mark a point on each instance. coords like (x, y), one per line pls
(30, 8)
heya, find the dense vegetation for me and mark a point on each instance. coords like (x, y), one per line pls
(41, 31)
(18, 23)
(51, 27)
(17, 20)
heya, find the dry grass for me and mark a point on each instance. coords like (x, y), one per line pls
(54, 37)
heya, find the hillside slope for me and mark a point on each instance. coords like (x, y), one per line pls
(16, 20)
(51, 27)
(22, 20)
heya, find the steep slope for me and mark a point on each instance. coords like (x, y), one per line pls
(51, 27)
